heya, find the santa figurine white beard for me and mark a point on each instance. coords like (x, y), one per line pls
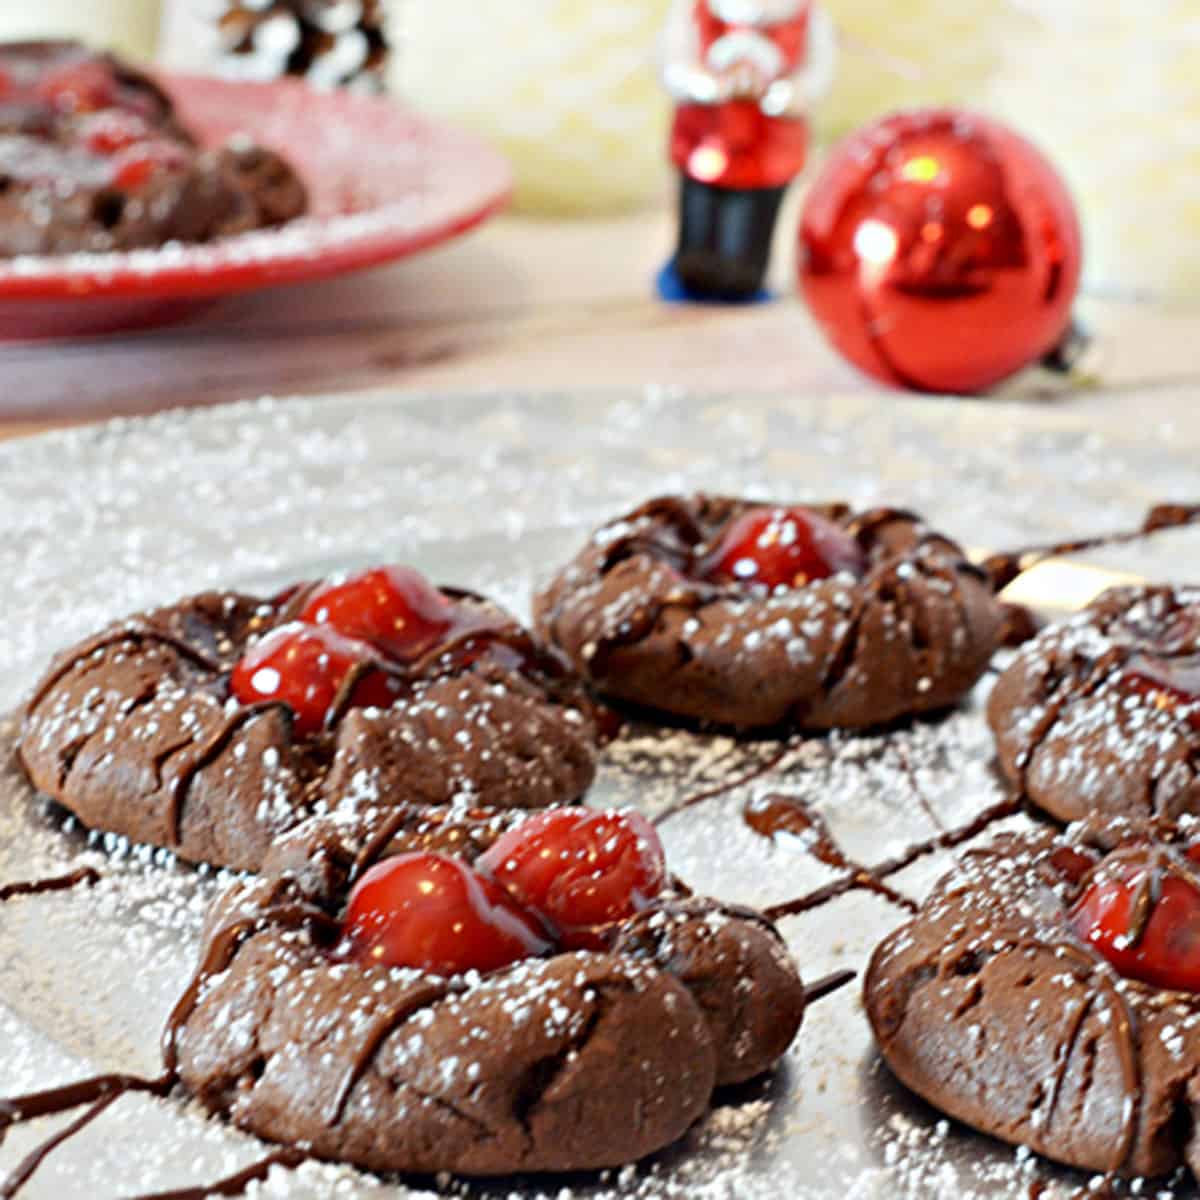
(744, 75)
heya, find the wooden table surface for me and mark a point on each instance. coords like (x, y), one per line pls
(527, 304)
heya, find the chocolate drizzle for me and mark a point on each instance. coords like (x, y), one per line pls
(98, 1092)
(222, 947)
(1095, 974)
(205, 755)
(827, 986)
(892, 866)
(423, 829)
(58, 883)
(1065, 1050)
(682, 554)
(433, 990)
(1002, 569)
(724, 788)
(86, 1091)
(134, 633)
(24, 1170)
(790, 814)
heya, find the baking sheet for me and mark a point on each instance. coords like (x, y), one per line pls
(492, 493)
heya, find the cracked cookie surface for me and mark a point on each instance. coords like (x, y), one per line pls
(634, 615)
(580, 1060)
(991, 1006)
(1094, 716)
(134, 730)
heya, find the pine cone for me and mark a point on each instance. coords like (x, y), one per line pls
(332, 43)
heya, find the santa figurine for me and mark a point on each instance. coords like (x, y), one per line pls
(744, 75)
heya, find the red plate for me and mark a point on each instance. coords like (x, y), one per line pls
(384, 183)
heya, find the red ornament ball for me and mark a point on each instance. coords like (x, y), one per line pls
(940, 251)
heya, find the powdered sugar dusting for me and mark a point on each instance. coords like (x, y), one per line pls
(494, 494)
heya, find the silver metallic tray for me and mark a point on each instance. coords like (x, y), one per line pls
(492, 493)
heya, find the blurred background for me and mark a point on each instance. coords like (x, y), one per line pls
(568, 89)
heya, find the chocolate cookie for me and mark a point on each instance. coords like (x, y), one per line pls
(93, 159)
(573, 1060)
(725, 611)
(48, 85)
(1101, 714)
(139, 729)
(1037, 996)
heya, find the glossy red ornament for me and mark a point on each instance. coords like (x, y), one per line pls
(437, 914)
(782, 547)
(394, 608)
(940, 251)
(304, 667)
(579, 869)
(1167, 954)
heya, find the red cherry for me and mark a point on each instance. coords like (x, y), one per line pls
(79, 87)
(394, 608)
(304, 666)
(1073, 863)
(1167, 683)
(580, 870)
(782, 547)
(110, 132)
(139, 164)
(437, 914)
(1168, 952)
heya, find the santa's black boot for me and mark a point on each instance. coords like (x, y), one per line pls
(725, 239)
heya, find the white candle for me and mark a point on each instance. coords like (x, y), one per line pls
(130, 26)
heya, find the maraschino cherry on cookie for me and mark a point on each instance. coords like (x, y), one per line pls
(582, 871)
(1170, 684)
(213, 725)
(563, 878)
(1141, 911)
(395, 608)
(732, 611)
(350, 642)
(437, 914)
(782, 548)
(394, 1003)
(315, 672)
